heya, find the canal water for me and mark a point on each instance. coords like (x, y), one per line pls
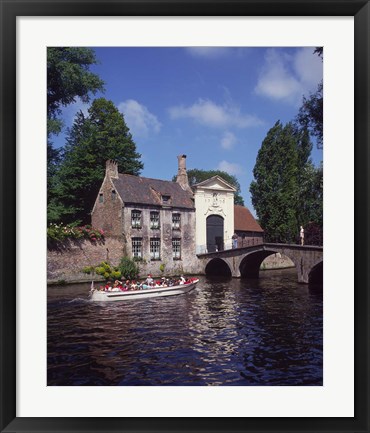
(225, 332)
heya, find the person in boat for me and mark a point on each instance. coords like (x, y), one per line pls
(114, 287)
(149, 280)
(182, 280)
(163, 282)
(134, 285)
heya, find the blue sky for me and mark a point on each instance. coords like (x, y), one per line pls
(215, 105)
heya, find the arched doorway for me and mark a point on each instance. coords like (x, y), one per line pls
(215, 233)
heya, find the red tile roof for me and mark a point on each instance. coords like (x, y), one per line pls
(244, 220)
(142, 190)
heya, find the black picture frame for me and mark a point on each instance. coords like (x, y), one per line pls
(10, 10)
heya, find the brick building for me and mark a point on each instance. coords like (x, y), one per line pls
(165, 224)
(247, 229)
(154, 218)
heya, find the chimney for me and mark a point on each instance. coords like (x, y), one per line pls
(111, 169)
(182, 176)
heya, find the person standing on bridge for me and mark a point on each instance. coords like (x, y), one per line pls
(301, 235)
(234, 238)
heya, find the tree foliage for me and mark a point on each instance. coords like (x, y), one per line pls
(68, 77)
(310, 114)
(91, 141)
(274, 190)
(196, 176)
(287, 190)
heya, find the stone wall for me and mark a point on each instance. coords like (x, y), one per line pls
(276, 261)
(165, 233)
(65, 262)
(107, 211)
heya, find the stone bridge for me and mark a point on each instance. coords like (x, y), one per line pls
(246, 261)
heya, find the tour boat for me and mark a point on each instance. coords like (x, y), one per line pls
(103, 296)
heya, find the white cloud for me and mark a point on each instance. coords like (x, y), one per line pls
(308, 67)
(208, 52)
(230, 167)
(288, 77)
(228, 140)
(217, 52)
(138, 118)
(210, 114)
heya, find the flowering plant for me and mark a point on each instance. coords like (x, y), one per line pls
(60, 232)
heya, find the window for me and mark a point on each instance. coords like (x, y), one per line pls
(154, 220)
(136, 219)
(166, 199)
(176, 249)
(101, 197)
(155, 249)
(113, 194)
(137, 248)
(176, 221)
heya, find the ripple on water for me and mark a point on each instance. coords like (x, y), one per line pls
(228, 332)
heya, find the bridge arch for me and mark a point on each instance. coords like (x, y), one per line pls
(250, 265)
(316, 273)
(218, 267)
(246, 261)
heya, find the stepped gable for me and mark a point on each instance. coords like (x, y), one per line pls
(244, 220)
(142, 190)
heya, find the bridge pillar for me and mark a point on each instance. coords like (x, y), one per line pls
(303, 273)
(304, 265)
(234, 263)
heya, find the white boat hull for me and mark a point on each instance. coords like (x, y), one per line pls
(100, 296)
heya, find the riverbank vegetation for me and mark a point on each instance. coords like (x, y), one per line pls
(127, 269)
(61, 232)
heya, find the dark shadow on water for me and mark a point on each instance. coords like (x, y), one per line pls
(217, 267)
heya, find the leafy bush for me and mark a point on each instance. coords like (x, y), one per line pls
(88, 270)
(104, 269)
(128, 268)
(60, 232)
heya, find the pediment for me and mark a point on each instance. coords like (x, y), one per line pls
(215, 183)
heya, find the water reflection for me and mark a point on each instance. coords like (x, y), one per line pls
(225, 332)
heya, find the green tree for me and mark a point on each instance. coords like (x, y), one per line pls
(275, 188)
(310, 114)
(68, 77)
(288, 189)
(196, 176)
(310, 199)
(92, 140)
